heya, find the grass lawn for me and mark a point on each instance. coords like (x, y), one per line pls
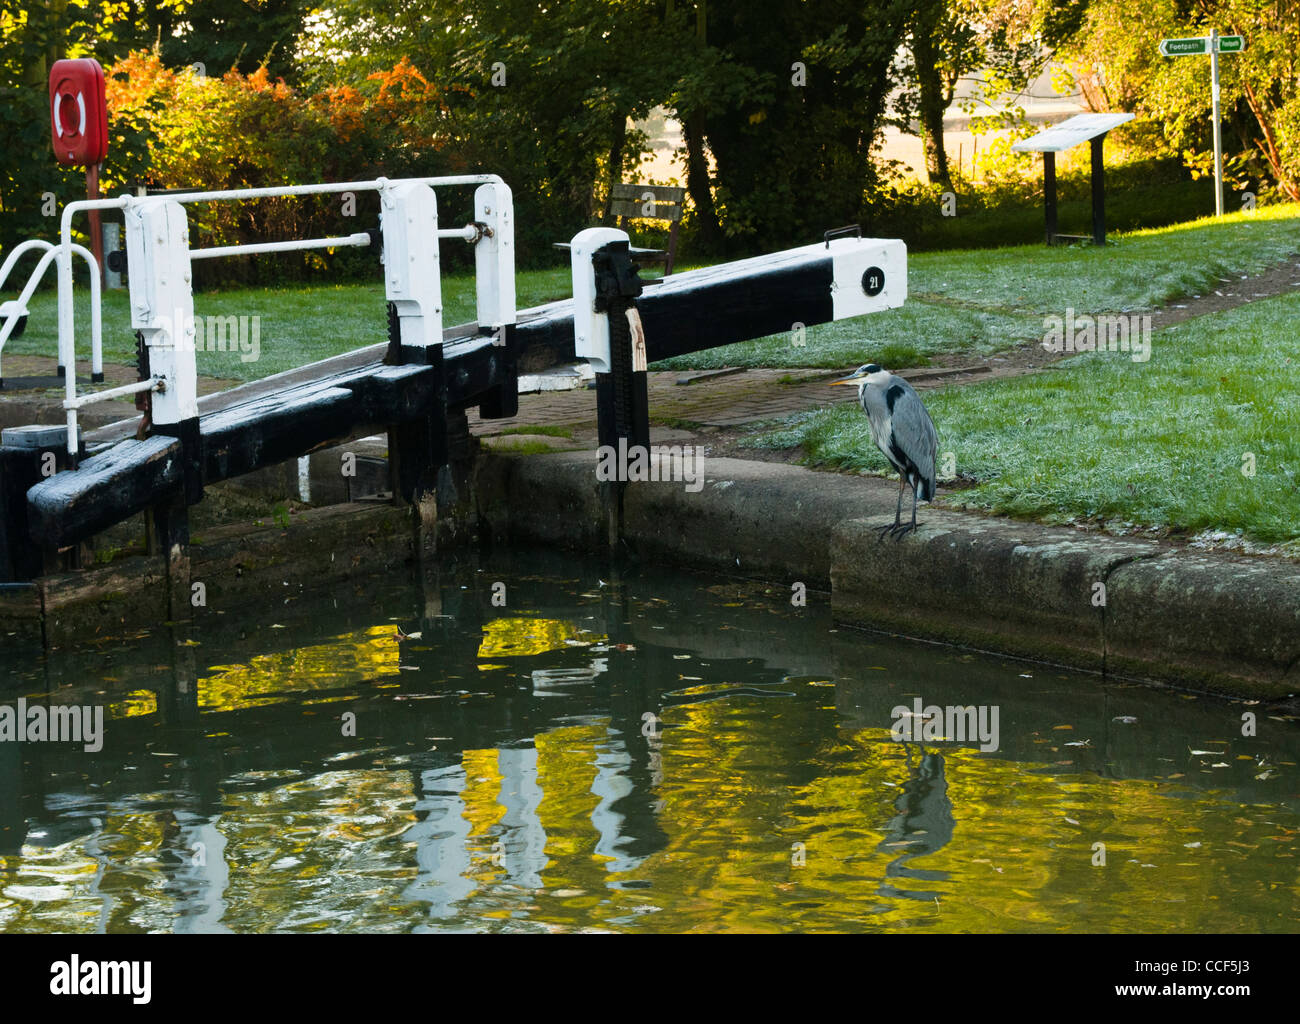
(983, 300)
(977, 301)
(1140, 270)
(1161, 443)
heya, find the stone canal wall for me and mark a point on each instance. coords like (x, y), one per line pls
(1127, 607)
(1135, 608)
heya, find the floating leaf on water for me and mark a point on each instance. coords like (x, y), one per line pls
(1126, 719)
(1055, 727)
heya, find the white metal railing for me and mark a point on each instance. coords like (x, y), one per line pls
(12, 311)
(361, 238)
(159, 258)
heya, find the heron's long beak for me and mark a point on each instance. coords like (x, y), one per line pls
(850, 380)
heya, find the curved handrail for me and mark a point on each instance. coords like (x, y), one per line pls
(52, 253)
(17, 251)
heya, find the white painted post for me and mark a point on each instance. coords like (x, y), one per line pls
(408, 216)
(494, 257)
(1218, 140)
(96, 316)
(162, 303)
(63, 267)
(590, 329)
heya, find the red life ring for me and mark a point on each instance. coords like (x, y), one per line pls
(78, 112)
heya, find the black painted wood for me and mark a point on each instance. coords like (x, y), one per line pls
(187, 432)
(19, 470)
(391, 393)
(1098, 193)
(104, 490)
(295, 413)
(502, 400)
(700, 309)
(1049, 195)
(274, 428)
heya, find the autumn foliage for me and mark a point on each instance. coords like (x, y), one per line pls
(174, 129)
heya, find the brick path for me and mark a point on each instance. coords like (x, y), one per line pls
(724, 401)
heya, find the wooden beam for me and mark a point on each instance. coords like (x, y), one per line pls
(1049, 195)
(1098, 193)
(104, 490)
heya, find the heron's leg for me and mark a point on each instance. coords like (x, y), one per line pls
(904, 529)
(898, 510)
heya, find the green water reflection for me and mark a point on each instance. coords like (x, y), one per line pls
(657, 753)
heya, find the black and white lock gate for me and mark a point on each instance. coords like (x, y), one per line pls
(418, 384)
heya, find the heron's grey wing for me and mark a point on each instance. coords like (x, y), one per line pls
(914, 432)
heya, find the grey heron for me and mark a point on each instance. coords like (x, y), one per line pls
(902, 430)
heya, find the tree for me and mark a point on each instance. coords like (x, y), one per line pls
(794, 95)
(223, 34)
(35, 35)
(540, 94)
(942, 46)
(1260, 87)
(1009, 41)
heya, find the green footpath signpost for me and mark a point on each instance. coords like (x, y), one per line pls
(1198, 46)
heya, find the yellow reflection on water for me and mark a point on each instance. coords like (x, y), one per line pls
(134, 704)
(350, 657)
(518, 637)
(482, 789)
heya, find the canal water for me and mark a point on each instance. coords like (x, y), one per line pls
(531, 744)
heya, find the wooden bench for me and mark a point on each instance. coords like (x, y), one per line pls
(650, 202)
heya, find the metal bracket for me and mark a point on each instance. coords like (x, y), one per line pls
(844, 232)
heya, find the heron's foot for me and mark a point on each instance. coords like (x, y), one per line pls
(901, 529)
(885, 531)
